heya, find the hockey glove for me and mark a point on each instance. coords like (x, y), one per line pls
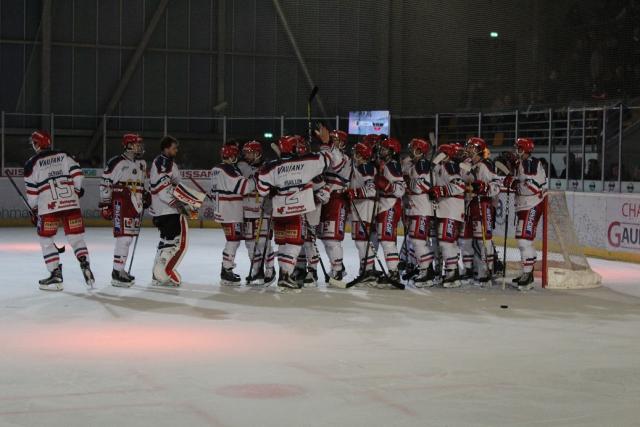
(106, 212)
(383, 184)
(439, 191)
(350, 194)
(509, 182)
(146, 199)
(479, 187)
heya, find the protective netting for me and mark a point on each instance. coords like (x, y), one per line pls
(561, 263)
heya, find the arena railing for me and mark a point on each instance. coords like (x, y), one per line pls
(587, 148)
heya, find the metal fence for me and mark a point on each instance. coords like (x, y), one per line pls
(585, 149)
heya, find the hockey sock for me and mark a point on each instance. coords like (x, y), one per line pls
(79, 246)
(466, 248)
(449, 252)
(527, 255)
(121, 252)
(49, 253)
(422, 253)
(287, 255)
(391, 257)
(229, 254)
(335, 253)
(362, 250)
(483, 269)
(312, 255)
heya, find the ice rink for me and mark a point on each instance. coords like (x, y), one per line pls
(205, 356)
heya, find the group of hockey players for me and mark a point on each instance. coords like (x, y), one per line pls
(445, 198)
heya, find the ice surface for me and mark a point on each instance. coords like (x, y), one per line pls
(206, 356)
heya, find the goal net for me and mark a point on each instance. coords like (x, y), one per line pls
(561, 263)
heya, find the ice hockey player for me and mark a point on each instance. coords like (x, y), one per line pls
(334, 213)
(529, 182)
(420, 211)
(289, 179)
(123, 198)
(228, 190)
(257, 213)
(53, 182)
(171, 204)
(482, 185)
(448, 191)
(391, 187)
(361, 194)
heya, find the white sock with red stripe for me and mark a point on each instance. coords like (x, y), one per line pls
(121, 252)
(49, 253)
(449, 252)
(527, 255)
(78, 244)
(391, 256)
(287, 255)
(362, 250)
(229, 254)
(466, 248)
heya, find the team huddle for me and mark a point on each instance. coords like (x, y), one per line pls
(445, 198)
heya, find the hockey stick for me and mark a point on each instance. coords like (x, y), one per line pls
(312, 95)
(506, 235)
(257, 238)
(24, 200)
(313, 237)
(135, 243)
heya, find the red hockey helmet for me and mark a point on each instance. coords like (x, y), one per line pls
(525, 145)
(252, 147)
(338, 135)
(391, 144)
(130, 138)
(287, 144)
(302, 146)
(371, 140)
(229, 151)
(40, 140)
(419, 144)
(363, 150)
(451, 150)
(477, 144)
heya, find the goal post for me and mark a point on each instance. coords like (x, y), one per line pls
(561, 262)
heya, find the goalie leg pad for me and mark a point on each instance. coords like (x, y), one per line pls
(171, 250)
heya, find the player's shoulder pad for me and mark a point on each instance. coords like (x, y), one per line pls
(394, 168)
(452, 168)
(29, 164)
(113, 162)
(231, 170)
(367, 169)
(423, 166)
(530, 165)
(489, 164)
(268, 166)
(163, 164)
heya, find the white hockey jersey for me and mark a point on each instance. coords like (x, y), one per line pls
(365, 191)
(124, 173)
(485, 171)
(339, 170)
(228, 190)
(531, 184)
(253, 201)
(53, 181)
(291, 177)
(419, 186)
(393, 172)
(164, 176)
(447, 174)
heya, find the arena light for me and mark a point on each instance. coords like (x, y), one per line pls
(268, 135)
(494, 34)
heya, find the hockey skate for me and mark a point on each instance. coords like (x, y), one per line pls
(483, 282)
(311, 279)
(229, 278)
(168, 284)
(368, 278)
(53, 282)
(256, 280)
(298, 276)
(424, 278)
(410, 272)
(122, 279)
(451, 279)
(467, 277)
(269, 277)
(526, 282)
(391, 280)
(335, 279)
(287, 285)
(86, 272)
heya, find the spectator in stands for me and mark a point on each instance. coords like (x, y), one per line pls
(612, 174)
(592, 171)
(574, 166)
(545, 166)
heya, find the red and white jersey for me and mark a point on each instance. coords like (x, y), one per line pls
(339, 170)
(419, 185)
(253, 201)
(164, 176)
(228, 188)
(362, 181)
(532, 184)
(321, 195)
(53, 180)
(122, 172)
(447, 174)
(485, 171)
(291, 177)
(393, 172)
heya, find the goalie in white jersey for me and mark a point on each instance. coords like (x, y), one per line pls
(529, 182)
(228, 189)
(123, 198)
(257, 215)
(172, 203)
(289, 180)
(54, 186)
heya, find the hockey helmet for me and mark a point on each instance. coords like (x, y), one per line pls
(40, 140)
